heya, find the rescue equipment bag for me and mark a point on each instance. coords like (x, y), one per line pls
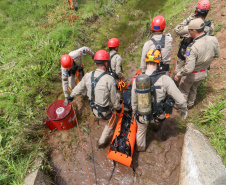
(93, 105)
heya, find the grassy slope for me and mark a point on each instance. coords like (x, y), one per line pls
(34, 34)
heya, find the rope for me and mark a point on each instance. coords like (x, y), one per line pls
(94, 166)
(72, 34)
(82, 146)
(121, 85)
(112, 171)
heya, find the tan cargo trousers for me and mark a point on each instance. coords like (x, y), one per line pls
(110, 126)
(189, 85)
(141, 137)
(178, 65)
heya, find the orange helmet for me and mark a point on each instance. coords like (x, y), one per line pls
(203, 7)
(66, 61)
(153, 55)
(158, 23)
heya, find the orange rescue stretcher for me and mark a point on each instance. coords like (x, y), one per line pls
(122, 144)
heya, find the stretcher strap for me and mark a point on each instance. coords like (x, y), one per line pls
(112, 119)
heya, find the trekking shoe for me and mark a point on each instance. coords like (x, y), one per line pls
(101, 146)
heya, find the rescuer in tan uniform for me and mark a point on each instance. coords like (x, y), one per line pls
(163, 86)
(158, 41)
(70, 64)
(101, 90)
(199, 55)
(115, 59)
(181, 29)
(115, 63)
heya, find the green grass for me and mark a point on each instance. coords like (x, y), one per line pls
(218, 28)
(34, 34)
(211, 121)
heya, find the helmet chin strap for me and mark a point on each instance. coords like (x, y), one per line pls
(105, 67)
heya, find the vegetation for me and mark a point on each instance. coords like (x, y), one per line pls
(34, 34)
(211, 121)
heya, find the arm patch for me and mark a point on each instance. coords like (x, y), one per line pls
(65, 74)
(188, 51)
(180, 27)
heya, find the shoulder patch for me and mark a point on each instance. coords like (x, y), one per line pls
(80, 52)
(188, 51)
(180, 27)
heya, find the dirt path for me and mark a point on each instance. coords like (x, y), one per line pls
(160, 164)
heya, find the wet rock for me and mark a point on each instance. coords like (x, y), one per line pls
(200, 163)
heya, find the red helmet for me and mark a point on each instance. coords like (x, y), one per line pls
(101, 56)
(66, 61)
(114, 42)
(203, 6)
(158, 23)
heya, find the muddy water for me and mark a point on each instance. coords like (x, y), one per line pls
(158, 165)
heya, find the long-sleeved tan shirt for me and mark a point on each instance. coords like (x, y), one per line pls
(166, 51)
(76, 56)
(105, 90)
(199, 54)
(182, 28)
(116, 64)
(168, 87)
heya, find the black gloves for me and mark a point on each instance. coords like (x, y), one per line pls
(67, 100)
(70, 99)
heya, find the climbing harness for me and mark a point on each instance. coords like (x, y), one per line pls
(159, 45)
(93, 105)
(110, 71)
